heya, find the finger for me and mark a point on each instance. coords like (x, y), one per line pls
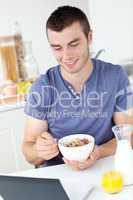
(65, 160)
(42, 141)
(69, 164)
(72, 164)
(47, 147)
(76, 165)
(79, 165)
(50, 156)
(47, 136)
(49, 142)
(47, 155)
(86, 164)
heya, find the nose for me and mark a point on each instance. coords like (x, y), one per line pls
(67, 54)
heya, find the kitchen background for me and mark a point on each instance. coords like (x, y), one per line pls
(112, 26)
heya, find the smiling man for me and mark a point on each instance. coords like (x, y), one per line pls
(79, 95)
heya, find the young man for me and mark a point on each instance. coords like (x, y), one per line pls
(80, 95)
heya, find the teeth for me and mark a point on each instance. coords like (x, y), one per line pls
(70, 63)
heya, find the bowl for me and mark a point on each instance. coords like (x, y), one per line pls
(77, 153)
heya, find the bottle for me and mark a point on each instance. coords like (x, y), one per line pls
(19, 48)
(30, 67)
(8, 59)
(124, 152)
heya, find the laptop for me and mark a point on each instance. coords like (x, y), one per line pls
(25, 188)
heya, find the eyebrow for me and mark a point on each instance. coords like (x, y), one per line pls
(58, 45)
(75, 40)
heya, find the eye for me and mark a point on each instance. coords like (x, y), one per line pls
(56, 48)
(74, 44)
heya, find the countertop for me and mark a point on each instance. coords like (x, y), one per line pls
(77, 183)
(8, 107)
(12, 102)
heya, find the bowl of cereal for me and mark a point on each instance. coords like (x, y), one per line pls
(76, 147)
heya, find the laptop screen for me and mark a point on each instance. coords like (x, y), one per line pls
(25, 188)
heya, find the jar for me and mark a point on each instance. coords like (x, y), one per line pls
(8, 59)
(19, 48)
(30, 67)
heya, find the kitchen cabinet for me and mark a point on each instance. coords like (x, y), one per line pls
(8, 160)
(11, 136)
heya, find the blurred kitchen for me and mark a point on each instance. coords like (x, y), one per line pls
(25, 53)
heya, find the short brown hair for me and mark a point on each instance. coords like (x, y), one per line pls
(65, 16)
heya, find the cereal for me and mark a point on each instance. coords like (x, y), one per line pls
(77, 142)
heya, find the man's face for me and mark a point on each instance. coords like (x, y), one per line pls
(70, 47)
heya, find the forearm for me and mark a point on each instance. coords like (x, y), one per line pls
(30, 154)
(107, 149)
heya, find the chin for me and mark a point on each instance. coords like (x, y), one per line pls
(74, 71)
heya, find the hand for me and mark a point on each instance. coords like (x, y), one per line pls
(46, 146)
(76, 165)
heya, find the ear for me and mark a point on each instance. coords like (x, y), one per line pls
(90, 34)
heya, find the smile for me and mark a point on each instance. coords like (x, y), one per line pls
(70, 64)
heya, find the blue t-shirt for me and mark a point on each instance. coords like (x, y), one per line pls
(53, 99)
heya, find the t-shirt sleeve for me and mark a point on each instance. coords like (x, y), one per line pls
(124, 94)
(37, 101)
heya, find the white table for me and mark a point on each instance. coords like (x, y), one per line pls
(76, 183)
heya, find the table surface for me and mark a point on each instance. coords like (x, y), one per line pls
(77, 183)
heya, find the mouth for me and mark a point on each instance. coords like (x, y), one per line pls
(71, 64)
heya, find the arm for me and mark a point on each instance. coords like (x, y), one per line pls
(33, 129)
(109, 147)
(123, 100)
(125, 117)
(38, 145)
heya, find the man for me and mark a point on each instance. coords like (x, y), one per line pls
(80, 95)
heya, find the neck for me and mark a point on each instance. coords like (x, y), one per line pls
(78, 79)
